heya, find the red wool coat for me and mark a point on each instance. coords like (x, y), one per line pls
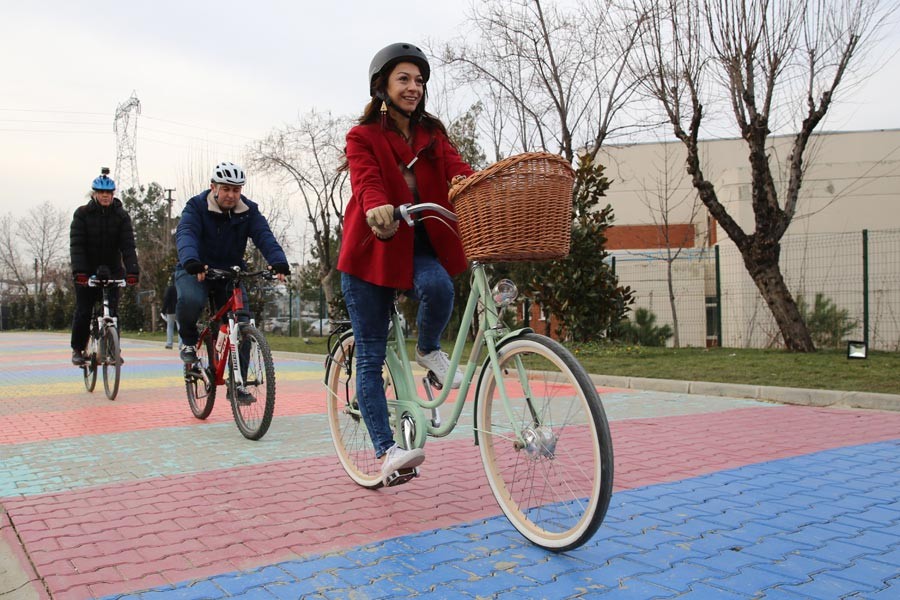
(374, 155)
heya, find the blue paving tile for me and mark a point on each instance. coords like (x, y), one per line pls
(704, 591)
(292, 590)
(305, 568)
(438, 576)
(891, 557)
(776, 548)
(696, 538)
(868, 572)
(199, 590)
(485, 586)
(618, 570)
(827, 587)
(796, 566)
(680, 577)
(875, 540)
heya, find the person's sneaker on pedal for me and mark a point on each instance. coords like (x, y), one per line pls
(189, 355)
(77, 358)
(438, 363)
(243, 395)
(397, 458)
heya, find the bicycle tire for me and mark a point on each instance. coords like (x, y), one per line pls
(555, 490)
(200, 394)
(349, 433)
(252, 421)
(90, 367)
(111, 358)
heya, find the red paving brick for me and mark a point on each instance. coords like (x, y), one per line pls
(144, 533)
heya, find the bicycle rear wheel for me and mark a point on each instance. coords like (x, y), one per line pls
(112, 364)
(551, 469)
(90, 366)
(349, 433)
(253, 417)
(201, 393)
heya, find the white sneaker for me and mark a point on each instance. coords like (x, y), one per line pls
(438, 363)
(397, 458)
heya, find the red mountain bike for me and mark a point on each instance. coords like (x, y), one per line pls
(227, 344)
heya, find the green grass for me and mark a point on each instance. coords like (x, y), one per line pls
(825, 369)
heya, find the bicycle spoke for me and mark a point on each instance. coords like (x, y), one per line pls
(552, 472)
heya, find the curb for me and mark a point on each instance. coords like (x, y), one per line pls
(785, 395)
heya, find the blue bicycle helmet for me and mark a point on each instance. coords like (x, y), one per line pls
(103, 183)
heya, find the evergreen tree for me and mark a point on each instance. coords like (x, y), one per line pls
(581, 290)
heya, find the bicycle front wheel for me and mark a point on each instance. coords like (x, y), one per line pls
(254, 408)
(112, 363)
(550, 467)
(201, 393)
(349, 433)
(90, 367)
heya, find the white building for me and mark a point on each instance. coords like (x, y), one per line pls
(851, 184)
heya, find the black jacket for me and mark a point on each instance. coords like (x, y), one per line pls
(102, 236)
(170, 298)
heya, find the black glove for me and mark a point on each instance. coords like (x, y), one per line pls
(81, 278)
(194, 266)
(281, 268)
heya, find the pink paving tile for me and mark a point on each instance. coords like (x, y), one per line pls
(134, 414)
(230, 514)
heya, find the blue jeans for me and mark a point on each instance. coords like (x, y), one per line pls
(170, 328)
(369, 306)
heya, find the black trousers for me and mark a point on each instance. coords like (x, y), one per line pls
(85, 298)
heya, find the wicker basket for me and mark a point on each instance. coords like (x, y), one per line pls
(518, 209)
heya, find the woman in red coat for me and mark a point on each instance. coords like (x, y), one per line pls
(398, 154)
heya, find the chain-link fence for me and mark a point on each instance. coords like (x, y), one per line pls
(848, 286)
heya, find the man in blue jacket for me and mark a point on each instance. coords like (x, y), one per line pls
(213, 232)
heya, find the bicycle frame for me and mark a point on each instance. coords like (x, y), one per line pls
(491, 332)
(105, 319)
(230, 347)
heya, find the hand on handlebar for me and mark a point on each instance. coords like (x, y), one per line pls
(281, 271)
(81, 279)
(381, 220)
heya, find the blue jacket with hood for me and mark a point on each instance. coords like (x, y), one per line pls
(219, 239)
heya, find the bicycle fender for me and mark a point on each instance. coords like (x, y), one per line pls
(329, 358)
(505, 339)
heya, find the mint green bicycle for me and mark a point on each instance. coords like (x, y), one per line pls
(539, 422)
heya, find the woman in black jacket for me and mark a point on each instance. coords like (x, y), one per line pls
(101, 235)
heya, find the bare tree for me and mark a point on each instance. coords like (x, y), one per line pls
(549, 79)
(670, 205)
(769, 60)
(33, 248)
(310, 155)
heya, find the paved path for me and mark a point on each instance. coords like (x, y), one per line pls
(716, 497)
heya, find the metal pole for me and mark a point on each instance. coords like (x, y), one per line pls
(718, 297)
(865, 258)
(168, 232)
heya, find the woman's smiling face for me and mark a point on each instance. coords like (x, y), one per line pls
(406, 86)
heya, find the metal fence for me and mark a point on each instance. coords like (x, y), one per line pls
(717, 303)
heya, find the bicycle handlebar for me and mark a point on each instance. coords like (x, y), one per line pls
(237, 273)
(94, 282)
(405, 212)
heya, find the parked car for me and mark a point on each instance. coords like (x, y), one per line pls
(277, 325)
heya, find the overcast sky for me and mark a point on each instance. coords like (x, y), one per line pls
(214, 76)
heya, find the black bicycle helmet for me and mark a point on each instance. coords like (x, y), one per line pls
(391, 55)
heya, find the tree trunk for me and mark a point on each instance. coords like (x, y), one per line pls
(327, 288)
(761, 259)
(676, 341)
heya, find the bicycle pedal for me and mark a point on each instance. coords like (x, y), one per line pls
(401, 476)
(433, 381)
